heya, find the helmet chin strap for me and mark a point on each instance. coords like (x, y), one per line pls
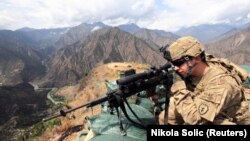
(188, 72)
(190, 68)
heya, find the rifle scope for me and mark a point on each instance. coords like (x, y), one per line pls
(144, 75)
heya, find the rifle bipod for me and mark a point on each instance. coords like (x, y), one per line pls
(118, 101)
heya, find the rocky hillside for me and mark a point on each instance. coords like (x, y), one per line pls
(69, 64)
(44, 38)
(78, 33)
(234, 46)
(158, 37)
(21, 107)
(19, 61)
(130, 28)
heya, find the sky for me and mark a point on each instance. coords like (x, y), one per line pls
(168, 15)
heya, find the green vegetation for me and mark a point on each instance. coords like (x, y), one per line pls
(23, 130)
(25, 121)
(32, 126)
(39, 128)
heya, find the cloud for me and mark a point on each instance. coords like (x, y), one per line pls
(179, 13)
(156, 14)
(57, 13)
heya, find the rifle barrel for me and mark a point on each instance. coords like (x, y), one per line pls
(88, 104)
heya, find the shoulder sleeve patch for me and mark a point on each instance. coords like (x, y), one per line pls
(203, 108)
(206, 109)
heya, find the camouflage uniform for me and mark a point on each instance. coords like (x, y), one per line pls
(215, 98)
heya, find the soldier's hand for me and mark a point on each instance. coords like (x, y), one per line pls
(176, 77)
(178, 83)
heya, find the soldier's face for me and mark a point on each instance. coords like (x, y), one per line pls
(182, 69)
(185, 69)
(190, 67)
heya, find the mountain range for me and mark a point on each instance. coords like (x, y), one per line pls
(31, 59)
(106, 45)
(20, 61)
(233, 45)
(62, 56)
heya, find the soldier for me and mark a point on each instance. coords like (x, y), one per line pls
(209, 90)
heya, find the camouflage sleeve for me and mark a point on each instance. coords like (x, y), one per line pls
(204, 107)
(184, 103)
(218, 95)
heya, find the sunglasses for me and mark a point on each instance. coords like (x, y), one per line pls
(181, 61)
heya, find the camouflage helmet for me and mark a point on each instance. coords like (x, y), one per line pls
(185, 46)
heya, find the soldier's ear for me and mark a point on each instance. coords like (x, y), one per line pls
(197, 58)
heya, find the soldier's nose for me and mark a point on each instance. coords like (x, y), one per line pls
(176, 68)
